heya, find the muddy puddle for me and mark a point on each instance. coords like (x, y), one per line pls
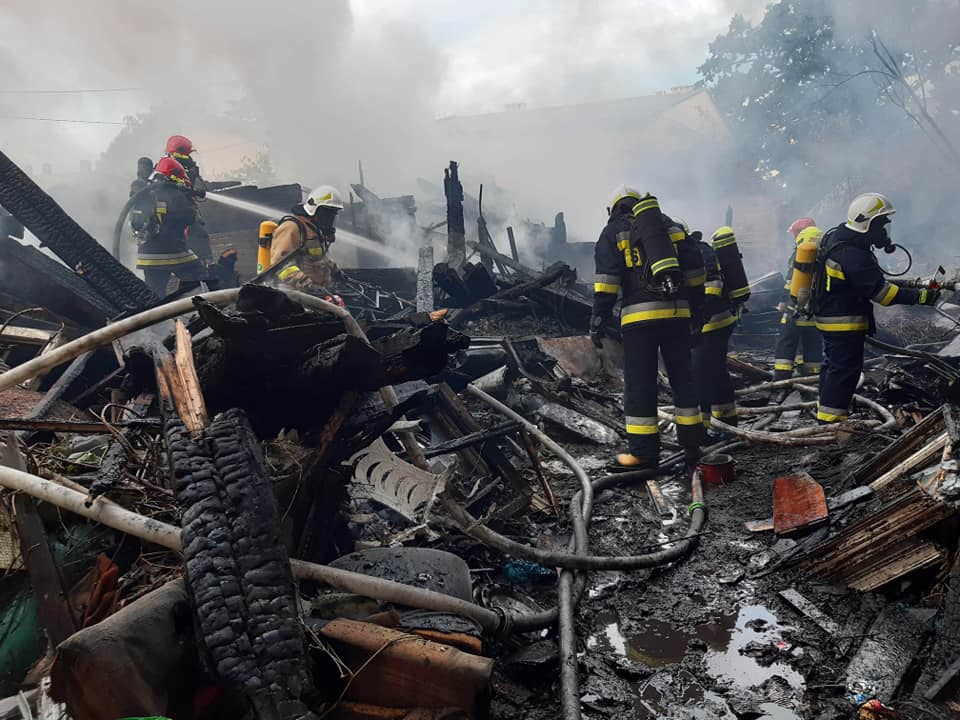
(742, 654)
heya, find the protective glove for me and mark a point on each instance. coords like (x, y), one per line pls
(929, 296)
(597, 331)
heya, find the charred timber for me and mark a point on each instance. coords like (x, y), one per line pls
(56, 230)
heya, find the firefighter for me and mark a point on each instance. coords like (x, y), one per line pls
(852, 280)
(714, 386)
(311, 226)
(797, 333)
(168, 212)
(144, 171)
(654, 316)
(181, 149)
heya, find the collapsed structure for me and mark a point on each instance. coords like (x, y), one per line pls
(255, 502)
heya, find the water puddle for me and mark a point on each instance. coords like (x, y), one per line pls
(754, 627)
(742, 650)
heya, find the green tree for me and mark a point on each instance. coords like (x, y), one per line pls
(257, 171)
(816, 77)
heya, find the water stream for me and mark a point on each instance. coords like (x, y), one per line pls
(344, 237)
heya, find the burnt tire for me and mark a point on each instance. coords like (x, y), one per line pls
(237, 570)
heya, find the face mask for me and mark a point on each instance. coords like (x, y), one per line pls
(884, 238)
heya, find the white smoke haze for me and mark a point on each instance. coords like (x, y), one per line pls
(321, 85)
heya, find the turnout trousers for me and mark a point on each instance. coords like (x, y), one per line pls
(842, 365)
(156, 277)
(796, 334)
(714, 387)
(642, 343)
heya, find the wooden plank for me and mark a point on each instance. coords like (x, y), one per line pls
(666, 510)
(911, 441)
(400, 669)
(746, 369)
(491, 453)
(194, 414)
(57, 426)
(888, 649)
(425, 279)
(810, 611)
(55, 342)
(923, 555)
(917, 460)
(513, 245)
(867, 545)
(52, 605)
(25, 335)
(946, 681)
(798, 503)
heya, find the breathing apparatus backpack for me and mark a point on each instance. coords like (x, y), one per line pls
(144, 218)
(810, 302)
(650, 244)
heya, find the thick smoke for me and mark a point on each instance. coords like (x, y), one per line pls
(321, 87)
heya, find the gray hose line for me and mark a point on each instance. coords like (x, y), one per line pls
(168, 536)
(106, 335)
(550, 558)
(579, 511)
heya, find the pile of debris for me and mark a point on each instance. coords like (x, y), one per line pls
(256, 502)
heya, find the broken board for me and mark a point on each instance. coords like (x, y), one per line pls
(888, 649)
(798, 503)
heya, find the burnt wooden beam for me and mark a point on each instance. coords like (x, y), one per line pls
(456, 231)
(56, 230)
(513, 245)
(475, 438)
(53, 606)
(492, 455)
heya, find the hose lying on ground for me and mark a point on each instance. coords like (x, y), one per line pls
(571, 587)
(580, 510)
(472, 527)
(168, 536)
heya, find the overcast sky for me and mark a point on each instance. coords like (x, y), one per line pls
(562, 51)
(459, 58)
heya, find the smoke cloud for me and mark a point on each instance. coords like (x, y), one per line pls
(322, 85)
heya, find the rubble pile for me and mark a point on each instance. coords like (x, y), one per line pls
(261, 503)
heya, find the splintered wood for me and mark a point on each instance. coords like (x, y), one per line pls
(178, 383)
(882, 546)
(798, 503)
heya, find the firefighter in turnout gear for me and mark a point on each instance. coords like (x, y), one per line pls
(311, 227)
(167, 212)
(847, 281)
(637, 261)
(181, 149)
(797, 333)
(144, 171)
(714, 386)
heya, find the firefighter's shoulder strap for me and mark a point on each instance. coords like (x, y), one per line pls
(301, 226)
(819, 285)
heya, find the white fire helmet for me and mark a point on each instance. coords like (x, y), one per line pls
(623, 191)
(323, 196)
(865, 208)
